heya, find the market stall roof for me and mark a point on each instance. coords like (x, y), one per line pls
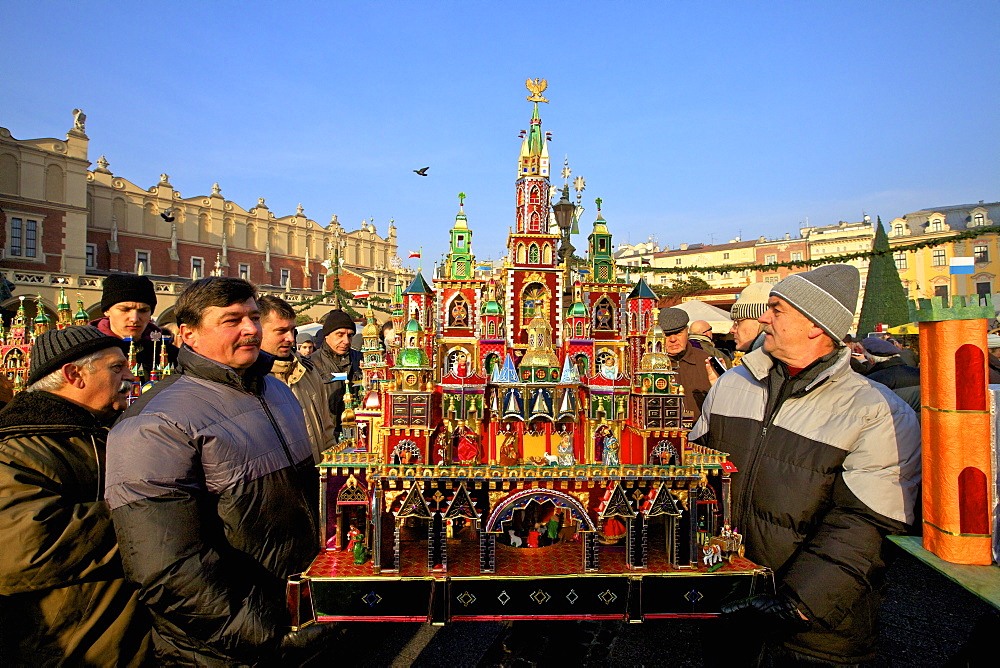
(719, 320)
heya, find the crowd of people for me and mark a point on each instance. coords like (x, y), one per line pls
(165, 530)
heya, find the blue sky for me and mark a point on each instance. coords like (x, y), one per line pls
(693, 121)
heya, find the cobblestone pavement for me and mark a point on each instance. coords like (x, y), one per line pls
(926, 620)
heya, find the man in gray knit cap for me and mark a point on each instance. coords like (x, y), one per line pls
(829, 463)
(64, 596)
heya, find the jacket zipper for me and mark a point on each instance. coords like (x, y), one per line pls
(757, 453)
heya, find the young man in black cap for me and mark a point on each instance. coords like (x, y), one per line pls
(65, 598)
(829, 463)
(128, 302)
(337, 362)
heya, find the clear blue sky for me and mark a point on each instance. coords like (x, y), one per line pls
(694, 121)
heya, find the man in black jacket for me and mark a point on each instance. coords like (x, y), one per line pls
(128, 302)
(887, 366)
(337, 362)
(206, 481)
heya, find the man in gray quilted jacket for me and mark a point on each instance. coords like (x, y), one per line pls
(206, 480)
(829, 464)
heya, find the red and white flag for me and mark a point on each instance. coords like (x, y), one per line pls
(414, 253)
(360, 294)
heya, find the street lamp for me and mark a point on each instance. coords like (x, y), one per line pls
(564, 211)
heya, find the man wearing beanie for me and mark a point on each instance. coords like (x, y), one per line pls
(747, 332)
(829, 464)
(128, 302)
(690, 363)
(888, 367)
(337, 362)
(65, 598)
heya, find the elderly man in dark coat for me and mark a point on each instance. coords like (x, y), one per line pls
(63, 595)
(690, 363)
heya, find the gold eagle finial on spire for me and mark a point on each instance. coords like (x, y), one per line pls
(536, 86)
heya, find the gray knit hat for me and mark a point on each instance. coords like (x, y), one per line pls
(828, 296)
(60, 346)
(672, 320)
(752, 302)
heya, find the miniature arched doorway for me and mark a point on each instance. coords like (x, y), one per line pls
(973, 502)
(970, 378)
(492, 362)
(406, 452)
(574, 519)
(664, 453)
(351, 511)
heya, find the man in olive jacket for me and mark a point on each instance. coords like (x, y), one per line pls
(63, 596)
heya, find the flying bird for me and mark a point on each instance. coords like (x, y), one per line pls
(422, 171)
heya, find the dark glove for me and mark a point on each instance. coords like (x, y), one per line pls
(774, 613)
(308, 640)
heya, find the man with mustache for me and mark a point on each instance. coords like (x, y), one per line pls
(64, 596)
(206, 481)
(829, 464)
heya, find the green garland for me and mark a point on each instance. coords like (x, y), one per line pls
(829, 259)
(348, 300)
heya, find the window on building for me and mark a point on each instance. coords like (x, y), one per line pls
(23, 238)
(245, 272)
(725, 256)
(16, 237)
(30, 238)
(770, 259)
(321, 282)
(941, 291)
(197, 268)
(937, 258)
(900, 260)
(460, 241)
(771, 278)
(745, 273)
(677, 261)
(797, 256)
(897, 229)
(142, 260)
(978, 220)
(286, 274)
(91, 256)
(936, 226)
(982, 252)
(984, 288)
(380, 284)
(710, 277)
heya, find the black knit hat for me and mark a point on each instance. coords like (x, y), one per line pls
(127, 288)
(337, 319)
(60, 346)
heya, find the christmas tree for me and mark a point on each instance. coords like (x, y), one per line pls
(885, 298)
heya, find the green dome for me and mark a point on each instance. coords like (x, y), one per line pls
(412, 357)
(491, 308)
(578, 309)
(413, 326)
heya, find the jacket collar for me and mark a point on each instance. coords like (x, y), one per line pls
(685, 355)
(44, 411)
(199, 366)
(104, 324)
(759, 364)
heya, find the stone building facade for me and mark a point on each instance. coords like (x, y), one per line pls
(63, 224)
